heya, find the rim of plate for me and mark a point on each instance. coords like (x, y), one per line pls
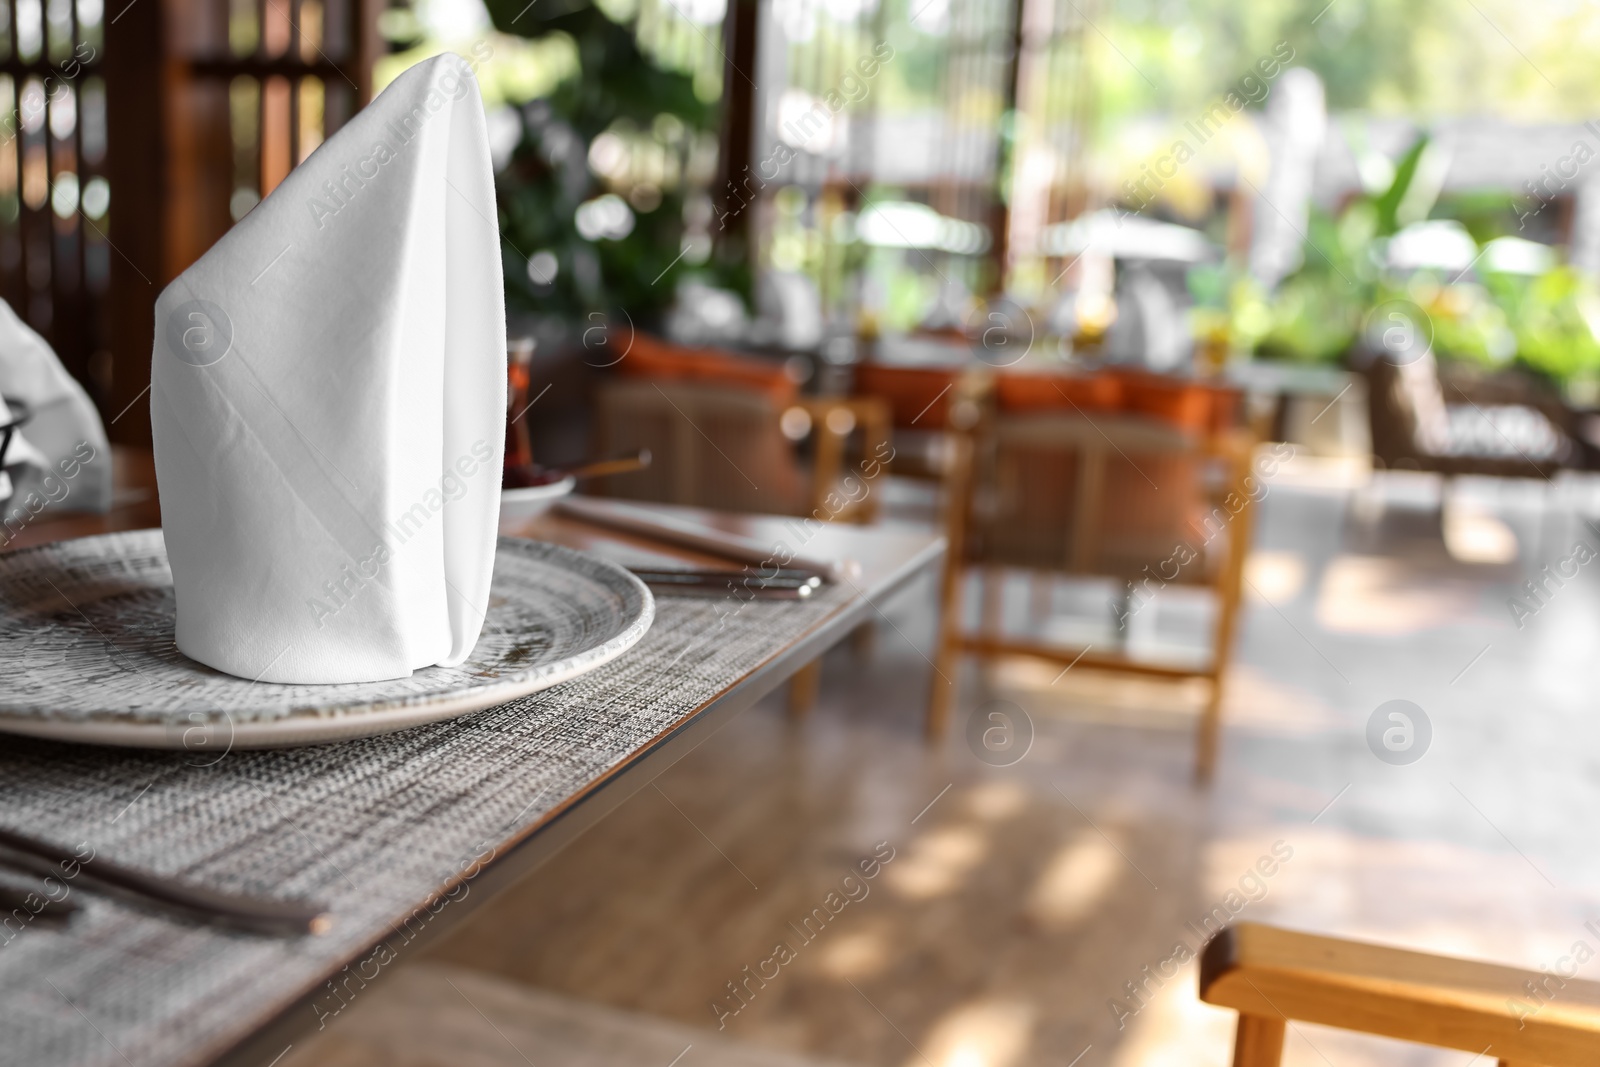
(534, 493)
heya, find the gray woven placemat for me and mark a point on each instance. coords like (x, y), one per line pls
(371, 827)
(86, 626)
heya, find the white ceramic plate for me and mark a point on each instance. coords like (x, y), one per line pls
(86, 651)
(536, 500)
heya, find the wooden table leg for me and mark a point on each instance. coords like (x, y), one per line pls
(803, 688)
(863, 640)
(1258, 1042)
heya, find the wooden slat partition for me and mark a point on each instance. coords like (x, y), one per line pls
(1272, 976)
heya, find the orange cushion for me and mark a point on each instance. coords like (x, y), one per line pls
(1047, 392)
(915, 395)
(1186, 405)
(651, 357)
(1197, 407)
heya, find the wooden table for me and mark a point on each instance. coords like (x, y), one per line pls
(888, 561)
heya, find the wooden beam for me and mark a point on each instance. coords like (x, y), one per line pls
(736, 150)
(1530, 1017)
(138, 146)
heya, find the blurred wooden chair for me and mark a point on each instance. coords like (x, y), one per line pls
(1271, 976)
(924, 404)
(725, 433)
(1130, 477)
(1475, 428)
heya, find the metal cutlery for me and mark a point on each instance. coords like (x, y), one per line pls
(23, 904)
(780, 584)
(639, 522)
(239, 910)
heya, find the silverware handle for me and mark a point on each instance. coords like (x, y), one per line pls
(732, 579)
(602, 468)
(613, 515)
(260, 914)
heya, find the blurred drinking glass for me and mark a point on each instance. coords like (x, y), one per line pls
(519, 371)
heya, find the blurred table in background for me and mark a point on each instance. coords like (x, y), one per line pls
(134, 505)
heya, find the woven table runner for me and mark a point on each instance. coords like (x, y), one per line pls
(373, 828)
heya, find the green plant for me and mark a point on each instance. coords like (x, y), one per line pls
(1553, 318)
(597, 201)
(1317, 311)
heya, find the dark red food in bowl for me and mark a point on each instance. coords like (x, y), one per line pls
(529, 476)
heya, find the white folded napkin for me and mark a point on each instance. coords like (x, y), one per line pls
(60, 458)
(328, 404)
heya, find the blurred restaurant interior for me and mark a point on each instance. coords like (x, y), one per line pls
(1245, 355)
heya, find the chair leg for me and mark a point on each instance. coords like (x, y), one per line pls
(1258, 1042)
(1205, 758)
(1041, 598)
(993, 581)
(803, 689)
(943, 687)
(1230, 592)
(947, 658)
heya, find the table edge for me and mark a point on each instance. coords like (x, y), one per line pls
(520, 856)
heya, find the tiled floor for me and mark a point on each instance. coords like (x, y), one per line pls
(1021, 899)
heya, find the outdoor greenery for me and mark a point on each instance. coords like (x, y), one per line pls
(1542, 318)
(610, 162)
(1402, 57)
(605, 199)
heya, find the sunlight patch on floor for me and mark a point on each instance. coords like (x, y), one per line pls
(996, 800)
(1075, 882)
(856, 955)
(1276, 577)
(937, 862)
(1258, 700)
(1175, 1029)
(1472, 534)
(1085, 695)
(985, 1033)
(1384, 596)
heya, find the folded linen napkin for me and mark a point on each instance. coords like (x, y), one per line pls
(60, 458)
(328, 404)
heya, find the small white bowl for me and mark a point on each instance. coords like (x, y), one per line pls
(535, 500)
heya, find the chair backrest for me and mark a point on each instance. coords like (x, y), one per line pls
(712, 446)
(1096, 494)
(1407, 407)
(918, 397)
(1271, 976)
